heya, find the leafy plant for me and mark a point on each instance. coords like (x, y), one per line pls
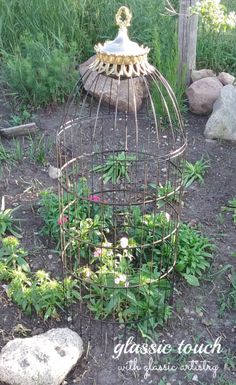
(116, 168)
(39, 74)
(17, 151)
(38, 149)
(116, 288)
(231, 207)
(12, 255)
(7, 221)
(195, 171)
(214, 15)
(33, 291)
(23, 116)
(5, 155)
(194, 250)
(123, 277)
(41, 294)
(84, 220)
(5, 272)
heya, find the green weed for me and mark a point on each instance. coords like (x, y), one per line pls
(5, 155)
(231, 207)
(116, 168)
(195, 171)
(38, 149)
(194, 252)
(7, 221)
(12, 255)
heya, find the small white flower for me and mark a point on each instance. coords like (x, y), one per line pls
(117, 280)
(167, 215)
(121, 278)
(124, 242)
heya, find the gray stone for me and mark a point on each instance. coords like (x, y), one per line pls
(44, 359)
(201, 74)
(54, 172)
(108, 88)
(226, 78)
(202, 94)
(222, 122)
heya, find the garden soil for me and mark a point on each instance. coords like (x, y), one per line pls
(198, 317)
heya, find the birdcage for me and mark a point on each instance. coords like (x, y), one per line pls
(120, 150)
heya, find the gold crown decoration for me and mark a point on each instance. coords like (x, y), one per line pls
(122, 57)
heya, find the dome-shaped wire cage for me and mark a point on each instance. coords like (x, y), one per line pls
(120, 150)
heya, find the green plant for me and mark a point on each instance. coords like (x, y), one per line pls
(38, 74)
(116, 288)
(216, 36)
(41, 294)
(5, 155)
(228, 298)
(38, 149)
(194, 171)
(33, 292)
(17, 151)
(23, 116)
(7, 221)
(231, 207)
(86, 219)
(116, 168)
(166, 191)
(194, 250)
(214, 15)
(70, 30)
(122, 278)
(5, 272)
(12, 255)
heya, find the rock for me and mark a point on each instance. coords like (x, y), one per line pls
(54, 172)
(45, 359)
(226, 78)
(222, 122)
(202, 94)
(201, 74)
(108, 87)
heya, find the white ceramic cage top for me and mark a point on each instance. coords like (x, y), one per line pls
(122, 57)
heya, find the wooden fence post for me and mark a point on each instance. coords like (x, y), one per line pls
(188, 25)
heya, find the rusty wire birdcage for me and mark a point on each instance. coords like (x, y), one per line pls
(120, 151)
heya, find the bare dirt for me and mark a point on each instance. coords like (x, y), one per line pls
(196, 318)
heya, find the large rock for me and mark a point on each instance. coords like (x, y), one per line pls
(201, 74)
(202, 94)
(44, 359)
(222, 122)
(108, 87)
(226, 78)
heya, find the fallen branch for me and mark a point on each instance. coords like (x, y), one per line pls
(23, 129)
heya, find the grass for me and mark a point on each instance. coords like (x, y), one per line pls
(5, 155)
(38, 149)
(231, 207)
(41, 42)
(217, 50)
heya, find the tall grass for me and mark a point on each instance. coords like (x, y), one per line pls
(62, 29)
(217, 50)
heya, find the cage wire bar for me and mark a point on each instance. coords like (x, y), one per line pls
(120, 189)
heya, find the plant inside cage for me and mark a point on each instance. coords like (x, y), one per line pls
(121, 185)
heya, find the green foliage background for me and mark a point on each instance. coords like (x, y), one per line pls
(41, 41)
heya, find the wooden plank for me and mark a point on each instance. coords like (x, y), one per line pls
(188, 26)
(23, 129)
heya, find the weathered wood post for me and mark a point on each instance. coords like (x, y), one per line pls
(188, 25)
